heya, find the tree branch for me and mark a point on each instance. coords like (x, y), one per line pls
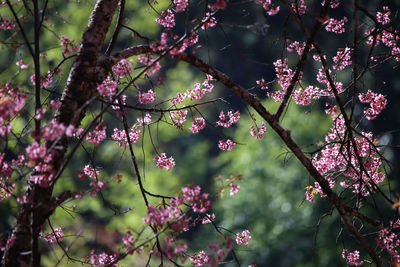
(85, 74)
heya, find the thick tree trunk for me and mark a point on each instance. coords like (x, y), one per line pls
(86, 73)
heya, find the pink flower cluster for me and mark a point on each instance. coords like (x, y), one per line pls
(214, 256)
(336, 26)
(208, 218)
(284, 75)
(91, 172)
(352, 258)
(12, 101)
(200, 90)
(167, 19)
(55, 104)
(97, 136)
(304, 97)
(200, 259)
(22, 65)
(226, 145)
(197, 125)
(39, 160)
(198, 202)
(196, 93)
(147, 98)
(174, 249)
(53, 237)
(6, 25)
(178, 118)
(120, 136)
(5, 174)
(159, 216)
(173, 213)
(296, 46)
(123, 68)
(269, 7)
(179, 99)
(333, 161)
(180, 5)
(101, 260)
(107, 88)
(299, 7)
(144, 121)
(150, 62)
(263, 84)
(342, 59)
(333, 3)
(68, 45)
(45, 81)
(234, 189)
(228, 119)
(163, 162)
(389, 241)
(208, 21)
(243, 238)
(258, 132)
(377, 103)
(383, 18)
(189, 41)
(128, 242)
(53, 131)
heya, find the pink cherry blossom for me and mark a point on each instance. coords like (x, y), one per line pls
(7, 25)
(147, 98)
(336, 26)
(53, 237)
(108, 88)
(234, 189)
(179, 99)
(208, 218)
(208, 21)
(22, 65)
(167, 19)
(68, 45)
(101, 259)
(226, 144)
(144, 121)
(91, 172)
(299, 7)
(120, 136)
(243, 238)
(163, 162)
(97, 135)
(262, 84)
(258, 132)
(123, 68)
(383, 18)
(197, 125)
(342, 59)
(377, 103)
(229, 119)
(180, 5)
(352, 258)
(178, 117)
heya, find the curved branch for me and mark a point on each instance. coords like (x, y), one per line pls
(284, 134)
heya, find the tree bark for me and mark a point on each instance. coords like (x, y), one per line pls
(86, 73)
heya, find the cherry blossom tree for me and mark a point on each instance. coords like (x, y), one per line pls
(104, 78)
